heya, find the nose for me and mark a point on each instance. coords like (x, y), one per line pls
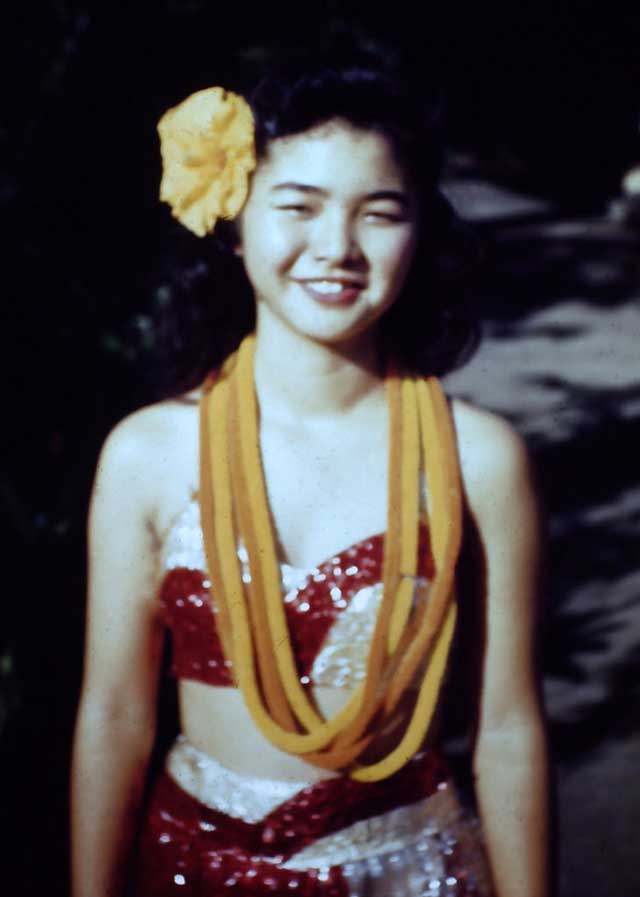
(334, 238)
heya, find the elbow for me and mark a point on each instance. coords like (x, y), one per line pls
(513, 743)
(116, 722)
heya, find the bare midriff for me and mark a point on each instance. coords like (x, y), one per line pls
(215, 719)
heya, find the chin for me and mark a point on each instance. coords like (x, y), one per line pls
(330, 327)
(334, 338)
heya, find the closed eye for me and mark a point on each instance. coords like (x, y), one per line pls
(295, 207)
(387, 216)
(381, 216)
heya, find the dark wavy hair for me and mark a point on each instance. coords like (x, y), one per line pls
(207, 302)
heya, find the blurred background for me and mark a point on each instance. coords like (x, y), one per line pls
(543, 114)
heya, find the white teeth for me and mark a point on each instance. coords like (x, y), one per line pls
(327, 286)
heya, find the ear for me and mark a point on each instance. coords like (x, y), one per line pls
(237, 250)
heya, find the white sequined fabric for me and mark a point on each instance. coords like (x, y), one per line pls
(342, 660)
(250, 798)
(183, 545)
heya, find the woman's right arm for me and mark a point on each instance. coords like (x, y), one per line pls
(116, 720)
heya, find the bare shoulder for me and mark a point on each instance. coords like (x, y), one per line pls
(149, 452)
(494, 459)
(140, 461)
(139, 442)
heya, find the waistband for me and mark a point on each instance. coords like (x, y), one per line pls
(409, 824)
(245, 797)
(251, 798)
(412, 817)
(290, 815)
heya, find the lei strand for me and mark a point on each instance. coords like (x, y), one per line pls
(251, 618)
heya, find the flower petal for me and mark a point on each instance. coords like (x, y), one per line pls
(208, 152)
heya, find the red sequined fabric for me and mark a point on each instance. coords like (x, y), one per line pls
(311, 609)
(191, 850)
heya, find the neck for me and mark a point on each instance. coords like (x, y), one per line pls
(298, 379)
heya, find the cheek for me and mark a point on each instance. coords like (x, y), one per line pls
(285, 245)
(271, 244)
(267, 261)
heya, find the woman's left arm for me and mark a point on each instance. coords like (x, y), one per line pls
(510, 757)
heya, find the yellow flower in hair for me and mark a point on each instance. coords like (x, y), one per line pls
(208, 152)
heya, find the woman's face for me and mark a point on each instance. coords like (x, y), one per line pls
(329, 231)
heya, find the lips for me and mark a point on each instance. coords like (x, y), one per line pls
(331, 290)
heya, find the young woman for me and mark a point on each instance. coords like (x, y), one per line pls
(309, 760)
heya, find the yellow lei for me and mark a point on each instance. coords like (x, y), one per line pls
(251, 618)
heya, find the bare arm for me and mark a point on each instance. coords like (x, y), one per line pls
(116, 719)
(510, 758)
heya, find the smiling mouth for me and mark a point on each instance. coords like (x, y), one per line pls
(332, 292)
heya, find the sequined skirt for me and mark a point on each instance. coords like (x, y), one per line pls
(210, 831)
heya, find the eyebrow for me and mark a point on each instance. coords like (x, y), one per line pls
(393, 195)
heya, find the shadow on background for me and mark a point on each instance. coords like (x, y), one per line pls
(560, 360)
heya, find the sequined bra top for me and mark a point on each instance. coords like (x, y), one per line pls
(331, 609)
